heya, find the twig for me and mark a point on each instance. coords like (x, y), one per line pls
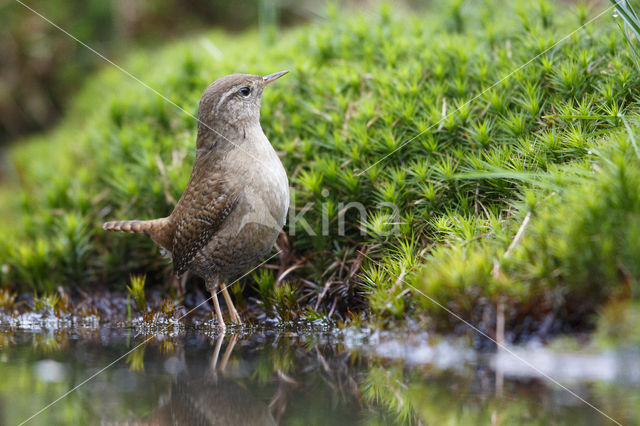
(496, 263)
(518, 236)
(500, 323)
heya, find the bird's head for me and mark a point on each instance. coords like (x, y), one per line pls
(233, 102)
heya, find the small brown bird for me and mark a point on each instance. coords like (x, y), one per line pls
(237, 198)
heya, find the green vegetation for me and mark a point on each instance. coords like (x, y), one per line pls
(46, 303)
(7, 299)
(463, 167)
(579, 250)
(42, 65)
(136, 290)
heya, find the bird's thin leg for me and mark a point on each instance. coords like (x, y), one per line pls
(227, 352)
(183, 284)
(235, 317)
(216, 353)
(221, 325)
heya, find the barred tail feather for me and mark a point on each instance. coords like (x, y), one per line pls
(160, 230)
(130, 226)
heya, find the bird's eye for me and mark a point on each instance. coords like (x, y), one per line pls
(245, 91)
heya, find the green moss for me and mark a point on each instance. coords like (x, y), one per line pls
(579, 250)
(383, 109)
(136, 290)
(46, 303)
(618, 325)
(7, 299)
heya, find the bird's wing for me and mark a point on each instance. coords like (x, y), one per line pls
(202, 209)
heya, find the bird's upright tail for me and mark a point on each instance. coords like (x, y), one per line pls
(157, 229)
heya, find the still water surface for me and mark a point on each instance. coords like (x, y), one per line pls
(301, 377)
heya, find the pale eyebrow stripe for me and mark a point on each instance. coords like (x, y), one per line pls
(225, 96)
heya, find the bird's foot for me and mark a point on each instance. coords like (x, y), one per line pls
(233, 313)
(234, 316)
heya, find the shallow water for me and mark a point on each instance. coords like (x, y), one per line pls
(301, 376)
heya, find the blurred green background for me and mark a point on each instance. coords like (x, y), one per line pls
(41, 67)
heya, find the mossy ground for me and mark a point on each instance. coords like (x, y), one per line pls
(548, 143)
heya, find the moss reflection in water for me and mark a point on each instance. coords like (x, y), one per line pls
(285, 378)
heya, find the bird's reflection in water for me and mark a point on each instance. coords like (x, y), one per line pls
(208, 397)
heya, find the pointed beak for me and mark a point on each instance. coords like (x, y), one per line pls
(272, 77)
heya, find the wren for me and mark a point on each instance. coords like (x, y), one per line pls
(236, 200)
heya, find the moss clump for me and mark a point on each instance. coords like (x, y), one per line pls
(462, 159)
(579, 250)
(7, 299)
(136, 290)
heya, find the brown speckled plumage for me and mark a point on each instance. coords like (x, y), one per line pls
(236, 201)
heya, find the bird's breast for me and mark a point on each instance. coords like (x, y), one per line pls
(265, 188)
